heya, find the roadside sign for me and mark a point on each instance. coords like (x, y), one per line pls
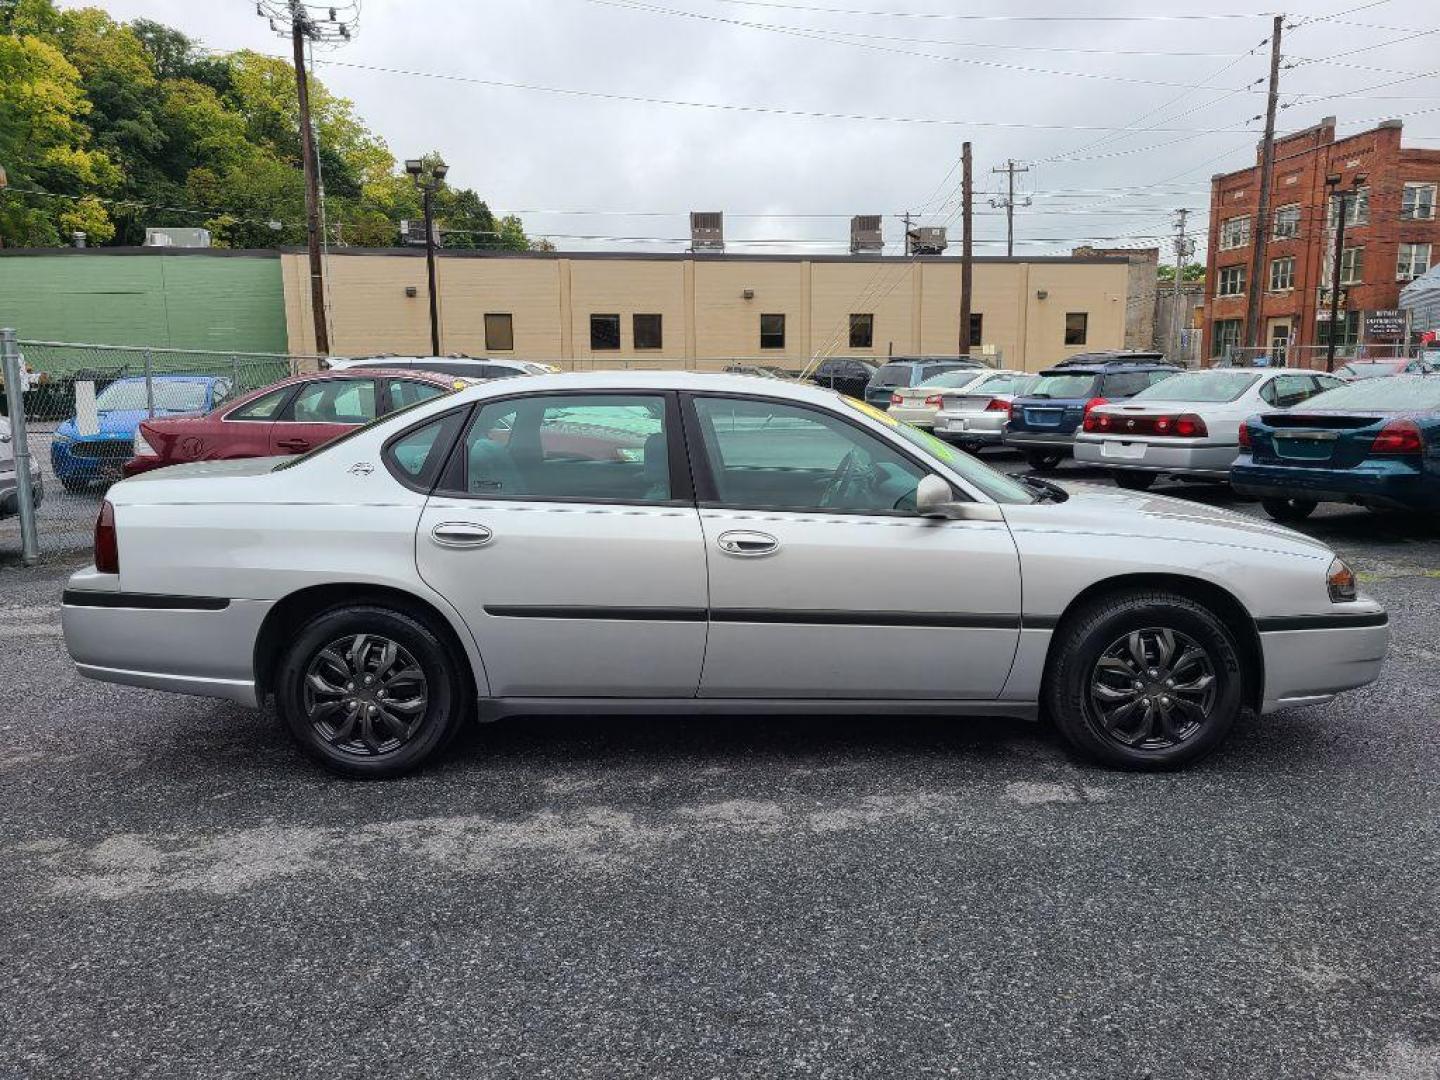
(1384, 323)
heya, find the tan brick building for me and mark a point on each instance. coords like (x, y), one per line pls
(602, 308)
(1392, 234)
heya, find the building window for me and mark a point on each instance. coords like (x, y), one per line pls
(1349, 329)
(1418, 202)
(1413, 260)
(1231, 281)
(1352, 266)
(1357, 207)
(499, 333)
(1282, 274)
(1234, 233)
(977, 325)
(772, 331)
(1226, 336)
(604, 332)
(862, 331)
(646, 331)
(1077, 327)
(1287, 222)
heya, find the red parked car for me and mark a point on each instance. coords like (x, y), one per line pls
(289, 417)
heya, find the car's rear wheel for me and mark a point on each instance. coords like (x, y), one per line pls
(1145, 680)
(1131, 480)
(1288, 510)
(369, 692)
(1043, 459)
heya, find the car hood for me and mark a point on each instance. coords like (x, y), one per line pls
(118, 422)
(1140, 515)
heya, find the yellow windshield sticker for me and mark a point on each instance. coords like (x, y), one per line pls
(870, 411)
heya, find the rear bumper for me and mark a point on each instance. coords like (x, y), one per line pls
(1310, 664)
(1036, 440)
(1383, 487)
(922, 417)
(184, 644)
(1196, 459)
(978, 427)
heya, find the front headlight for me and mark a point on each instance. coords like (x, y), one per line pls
(1340, 581)
(142, 448)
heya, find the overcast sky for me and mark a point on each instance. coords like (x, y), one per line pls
(528, 151)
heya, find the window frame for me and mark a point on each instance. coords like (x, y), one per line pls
(635, 335)
(865, 320)
(450, 481)
(287, 393)
(1238, 273)
(1275, 228)
(1418, 185)
(706, 493)
(1217, 345)
(287, 415)
(1357, 207)
(1357, 265)
(1408, 272)
(459, 420)
(509, 330)
(772, 315)
(618, 339)
(1084, 316)
(1289, 262)
(1226, 244)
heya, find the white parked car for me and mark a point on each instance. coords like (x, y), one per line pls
(975, 416)
(623, 542)
(919, 404)
(1189, 425)
(470, 367)
(10, 475)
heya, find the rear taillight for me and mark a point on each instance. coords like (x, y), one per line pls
(1190, 426)
(998, 405)
(1398, 437)
(107, 546)
(935, 400)
(1095, 403)
(1095, 421)
(1244, 435)
(896, 399)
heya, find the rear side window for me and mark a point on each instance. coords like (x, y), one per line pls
(405, 392)
(417, 456)
(265, 407)
(1063, 386)
(894, 375)
(335, 401)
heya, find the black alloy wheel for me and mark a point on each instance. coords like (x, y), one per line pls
(365, 694)
(1152, 688)
(1288, 510)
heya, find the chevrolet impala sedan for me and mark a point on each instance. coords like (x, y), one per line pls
(672, 543)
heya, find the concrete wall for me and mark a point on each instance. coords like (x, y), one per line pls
(706, 317)
(146, 296)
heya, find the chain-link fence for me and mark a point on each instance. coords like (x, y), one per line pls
(1311, 357)
(81, 406)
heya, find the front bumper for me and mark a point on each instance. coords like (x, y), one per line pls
(183, 644)
(1382, 484)
(90, 459)
(1310, 660)
(1180, 456)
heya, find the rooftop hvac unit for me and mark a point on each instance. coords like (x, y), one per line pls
(928, 240)
(181, 238)
(707, 231)
(865, 234)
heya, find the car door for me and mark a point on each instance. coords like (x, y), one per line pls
(824, 583)
(565, 531)
(321, 410)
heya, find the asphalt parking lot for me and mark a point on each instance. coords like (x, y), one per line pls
(183, 896)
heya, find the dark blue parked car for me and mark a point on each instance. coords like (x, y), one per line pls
(1375, 443)
(80, 460)
(1044, 420)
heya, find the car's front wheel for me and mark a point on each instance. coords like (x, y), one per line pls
(1288, 510)
(1133, 481)
(1145, 680)
(369, 692)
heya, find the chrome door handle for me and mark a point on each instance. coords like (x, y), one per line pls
(742, 542)
(461, 534)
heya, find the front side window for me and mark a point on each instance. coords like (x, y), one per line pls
(265, 407)
(646, 331)
(862, 331)
(1287, 222)
(335, 401)
(499, 332)
(1230, 281)
(1412, 261)
(569, 447)
(1417, 202)
(1077, 327)
(604, 332)
(773, 455)
(1282, 274)
(1352, 266)
(406, 392)
(772, 331)
(1234, 233)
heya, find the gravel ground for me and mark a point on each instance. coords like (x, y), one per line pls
(719, 898)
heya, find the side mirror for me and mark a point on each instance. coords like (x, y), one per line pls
(934, 498)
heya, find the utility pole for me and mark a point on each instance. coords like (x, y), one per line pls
(906, 219)
(1010, 169)
(428, 185)
(967, 195)
(1255, 289)
(1183, 248)
(295, 19)
(1332, 185)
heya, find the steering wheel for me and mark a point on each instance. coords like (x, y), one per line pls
(853, 475)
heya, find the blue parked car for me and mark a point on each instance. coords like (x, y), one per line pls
(82, 460)
(1375, 443)
(1044, 420)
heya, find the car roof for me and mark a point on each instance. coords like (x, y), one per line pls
(169, 378)
(957, 361)
(1106, 369)
(652, 381)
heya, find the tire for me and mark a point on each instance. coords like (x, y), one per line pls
(1131, 480)
(1086, 697)
(1043, 459)
(398, 737)
(75, 485)
(1288, 510)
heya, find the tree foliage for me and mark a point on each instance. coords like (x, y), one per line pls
(112, 127)
(1191, 272)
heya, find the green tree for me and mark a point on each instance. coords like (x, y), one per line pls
(1192, 272)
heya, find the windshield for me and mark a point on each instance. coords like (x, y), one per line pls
(997, 485)
(172, 396)
(893, 375)
(1200, 386)
(1062, 386)
(1403, 393)
(954, 377)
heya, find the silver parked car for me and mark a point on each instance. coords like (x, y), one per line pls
(623, 542)
(919, 404)
(975, 417)
(10, 478)
(1189, 425)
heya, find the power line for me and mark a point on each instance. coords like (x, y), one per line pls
(956, 17)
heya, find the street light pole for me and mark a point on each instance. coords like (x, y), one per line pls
(428, 185)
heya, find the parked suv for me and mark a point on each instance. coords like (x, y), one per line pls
(847, 374)
(1044, 420)
(906, 371)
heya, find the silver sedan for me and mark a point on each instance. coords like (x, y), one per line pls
(626, 542)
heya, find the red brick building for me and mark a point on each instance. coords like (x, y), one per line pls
(1392, 234)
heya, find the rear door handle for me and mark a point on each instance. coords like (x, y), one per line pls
(743, 542)
(293, 444)
(461, 534)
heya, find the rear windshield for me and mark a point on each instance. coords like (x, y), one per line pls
(1370, 371)
(952, 377)
(1200, 386)
(1062, 386)
(893, 375)
(1403, 393)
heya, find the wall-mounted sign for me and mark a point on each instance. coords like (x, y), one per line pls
(1384, 323)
